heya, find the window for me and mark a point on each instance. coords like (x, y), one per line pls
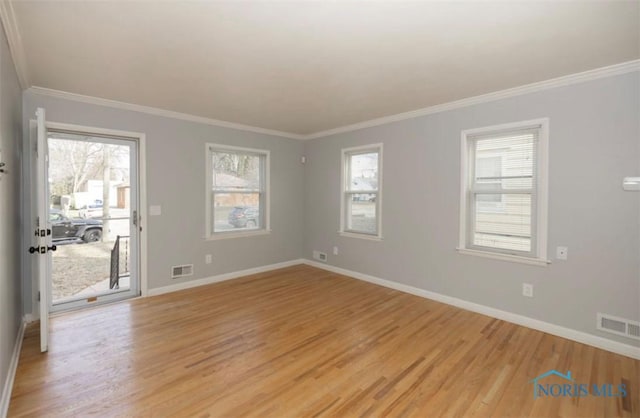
(237, 191)
(55, 217)
(504, 191)
(361, 192)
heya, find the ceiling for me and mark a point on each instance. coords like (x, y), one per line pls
(305, 67)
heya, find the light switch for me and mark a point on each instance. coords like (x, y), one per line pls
(155, 210)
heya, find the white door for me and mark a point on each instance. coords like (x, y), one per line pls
(87, 237)
(43, 229)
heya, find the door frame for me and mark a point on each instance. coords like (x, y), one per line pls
(140, 139)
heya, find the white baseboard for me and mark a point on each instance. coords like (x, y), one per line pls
(11, 373)
(560, 331)
(221, 277)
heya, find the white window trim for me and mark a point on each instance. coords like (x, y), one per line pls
(542, 193)
(209, 235)
(343, 190)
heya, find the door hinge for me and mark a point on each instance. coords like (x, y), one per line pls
(38, 296)
(135, 218)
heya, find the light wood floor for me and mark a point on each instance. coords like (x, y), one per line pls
(303, 342)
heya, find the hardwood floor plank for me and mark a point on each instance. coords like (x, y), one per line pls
(304, 342)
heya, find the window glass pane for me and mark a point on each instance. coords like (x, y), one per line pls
(506, 161)
(361, 213)
(490, 203)
(488, 166)
(363, 171)
(504, 222)
(236, 211)
(236, 171)
(238, 190)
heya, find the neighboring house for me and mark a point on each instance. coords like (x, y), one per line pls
(236, 199)
(93, 191)
(232, 191)
(124, 196)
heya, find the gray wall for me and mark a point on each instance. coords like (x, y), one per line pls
(10, 220)
(594, 142)
(176, 180)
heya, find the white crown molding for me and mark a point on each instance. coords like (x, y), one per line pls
(43, 91)
(11, 30)
(612, 70)
(525, 321)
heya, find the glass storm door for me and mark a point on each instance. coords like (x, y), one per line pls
(92, 212)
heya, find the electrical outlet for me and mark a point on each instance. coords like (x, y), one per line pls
(527, 290)
(562, 253)
(207, 259)
(335, 250)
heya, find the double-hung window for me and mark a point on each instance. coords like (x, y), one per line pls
(237, 191)
(361, 192)
(504, 191)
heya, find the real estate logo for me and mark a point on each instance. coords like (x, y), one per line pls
(572, 389)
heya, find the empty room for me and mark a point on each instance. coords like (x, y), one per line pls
(319, 208)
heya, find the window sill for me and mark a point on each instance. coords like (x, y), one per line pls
(505, 257)
(229, 235)
(361, 236)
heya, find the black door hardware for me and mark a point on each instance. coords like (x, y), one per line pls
(42, 250)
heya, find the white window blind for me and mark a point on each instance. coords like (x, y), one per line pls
(504, 170)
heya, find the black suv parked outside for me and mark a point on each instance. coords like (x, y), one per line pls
(67, 229)
(244, 216)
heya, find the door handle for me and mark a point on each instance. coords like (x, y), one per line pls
(42, 250)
